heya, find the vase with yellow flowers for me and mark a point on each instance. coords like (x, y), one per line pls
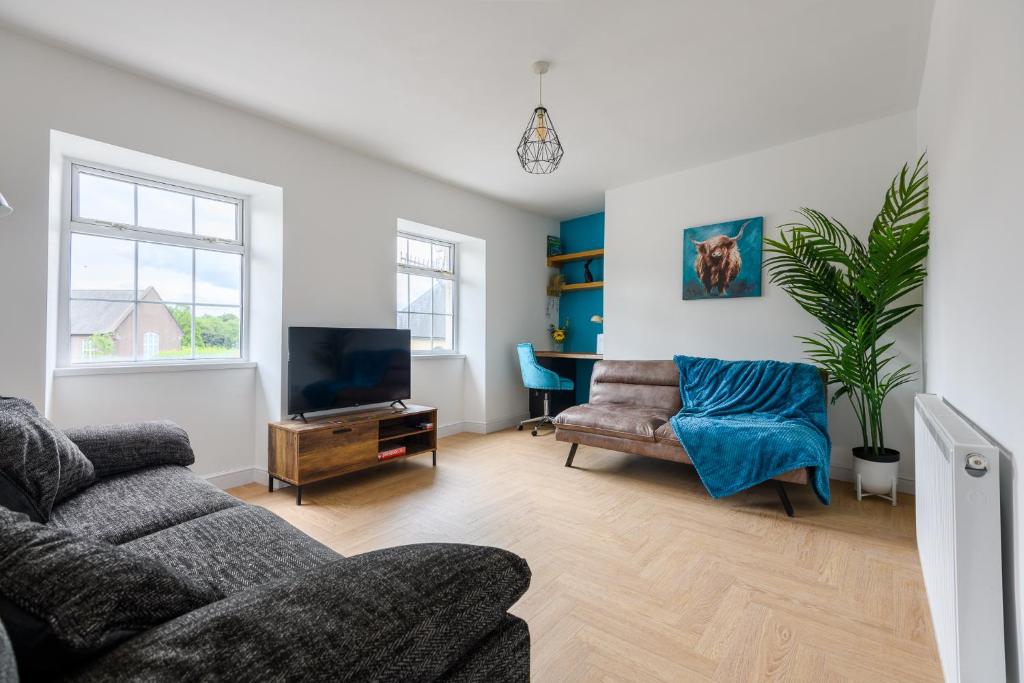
(558, 334)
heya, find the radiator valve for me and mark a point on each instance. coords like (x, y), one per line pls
(977, 465)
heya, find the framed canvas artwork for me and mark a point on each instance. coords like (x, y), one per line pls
(723, 260)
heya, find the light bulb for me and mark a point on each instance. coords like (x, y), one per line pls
(542, 130)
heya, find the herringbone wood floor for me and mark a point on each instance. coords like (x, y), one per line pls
(639, 575)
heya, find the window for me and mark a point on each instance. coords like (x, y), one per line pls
(426, 292)
(156, 271)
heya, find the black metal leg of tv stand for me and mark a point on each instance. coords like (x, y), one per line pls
(298, 495)
(434, 459)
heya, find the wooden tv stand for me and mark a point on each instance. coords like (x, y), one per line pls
(305, 452)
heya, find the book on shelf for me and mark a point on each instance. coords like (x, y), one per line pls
(390, 453)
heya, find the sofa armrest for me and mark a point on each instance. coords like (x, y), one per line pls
(406, 613)
(117, 448)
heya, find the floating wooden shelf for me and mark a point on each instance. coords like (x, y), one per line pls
(555, 261)
(582, 285)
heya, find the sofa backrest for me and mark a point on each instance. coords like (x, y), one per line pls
(650, 383)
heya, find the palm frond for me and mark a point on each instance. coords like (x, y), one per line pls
(858, 291)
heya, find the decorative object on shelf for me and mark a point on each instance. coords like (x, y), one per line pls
(555, 284)
(540, 150)
(5, 208)
(554, 246)
(723, 260)
(858, 291)
(598, 319)
(587, 275)
(559, 334)
(391, 453)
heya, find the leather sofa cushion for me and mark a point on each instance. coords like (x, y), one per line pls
(666, 433)
(630, 422)
(636, 383)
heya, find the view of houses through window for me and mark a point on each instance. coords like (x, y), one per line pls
(426, 292)
(157, 271)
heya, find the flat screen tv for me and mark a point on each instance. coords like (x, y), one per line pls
(334, 367)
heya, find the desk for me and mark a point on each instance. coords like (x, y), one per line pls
(577, 366)
(569, 355)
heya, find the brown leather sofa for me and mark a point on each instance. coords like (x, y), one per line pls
(631, 402)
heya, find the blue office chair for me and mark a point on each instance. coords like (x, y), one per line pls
(536, 376)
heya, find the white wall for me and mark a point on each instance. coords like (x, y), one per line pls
(340, 212)
(970, 119)
(843, 173)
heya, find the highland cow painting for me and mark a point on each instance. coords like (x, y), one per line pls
(723, 261)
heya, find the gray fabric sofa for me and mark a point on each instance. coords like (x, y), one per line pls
(289, 608)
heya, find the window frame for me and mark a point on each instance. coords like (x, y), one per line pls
(73, 223)
(453, 277)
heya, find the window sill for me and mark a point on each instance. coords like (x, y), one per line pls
(140, 368)
(439, 356)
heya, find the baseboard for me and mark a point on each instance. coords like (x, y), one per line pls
(453, 428)
(504, 423)
(239, 477)
(475, 427)
(903, 485)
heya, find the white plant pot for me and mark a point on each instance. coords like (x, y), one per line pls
(875, 477)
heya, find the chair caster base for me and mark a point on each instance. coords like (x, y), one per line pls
(519, 428)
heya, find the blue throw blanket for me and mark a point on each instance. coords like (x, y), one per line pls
(744, 422)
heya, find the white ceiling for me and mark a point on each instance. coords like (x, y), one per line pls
(637, 88)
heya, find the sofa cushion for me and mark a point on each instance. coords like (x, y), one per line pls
(502, 656)
(409, 613)
(666, 433)
(637, 383)
(117, 448)
(629, 422)
(39, 464)
(64, 597)
(128, 506)
(234, 549)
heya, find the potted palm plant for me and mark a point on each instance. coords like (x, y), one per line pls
(858, 291)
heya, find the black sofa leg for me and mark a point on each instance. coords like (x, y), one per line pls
(784, 497)
(572, 454)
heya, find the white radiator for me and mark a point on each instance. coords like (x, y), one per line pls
(958, 538)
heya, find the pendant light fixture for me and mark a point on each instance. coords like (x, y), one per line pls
(540, 150)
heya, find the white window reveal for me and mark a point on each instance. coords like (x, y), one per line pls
(427, 292)
(156, 270)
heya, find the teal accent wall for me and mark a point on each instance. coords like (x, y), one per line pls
(581, 234)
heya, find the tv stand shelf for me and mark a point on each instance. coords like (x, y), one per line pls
(322, 448)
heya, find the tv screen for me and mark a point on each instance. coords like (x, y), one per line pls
(331, 367)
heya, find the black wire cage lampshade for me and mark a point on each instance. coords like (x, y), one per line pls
(540, 149)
